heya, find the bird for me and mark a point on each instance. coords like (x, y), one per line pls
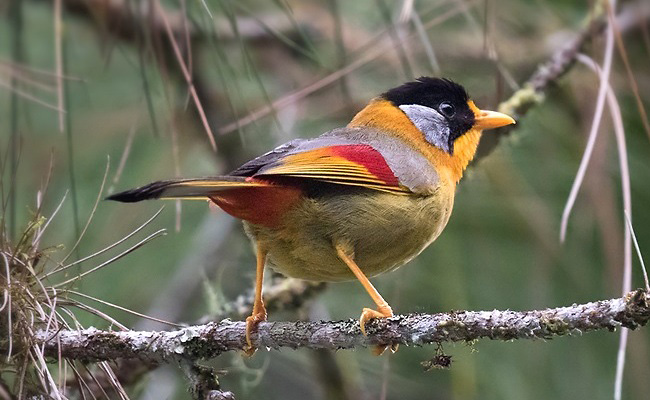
(354, 202)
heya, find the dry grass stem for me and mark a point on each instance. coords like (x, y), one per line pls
(186, 74)
(158, 233)
(137, 314)
(638, 250)
(31, 98)
(58, 52)
(593, 132)
(380, 49)
(92, 212)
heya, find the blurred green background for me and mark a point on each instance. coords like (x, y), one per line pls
(127, 100)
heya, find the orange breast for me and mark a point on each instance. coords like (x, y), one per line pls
(383, 115)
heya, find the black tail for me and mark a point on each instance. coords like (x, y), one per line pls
(199, 188)
(151, 191)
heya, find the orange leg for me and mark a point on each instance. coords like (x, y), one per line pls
(259, 311)
(383, 309)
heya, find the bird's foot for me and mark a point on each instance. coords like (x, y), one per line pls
(252, 322)
(368, 314)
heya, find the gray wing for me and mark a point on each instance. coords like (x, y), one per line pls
(261, 163)
(253, 166)
(411, 168)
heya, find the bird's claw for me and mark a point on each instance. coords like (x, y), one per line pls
(382, 312)
(252, 322)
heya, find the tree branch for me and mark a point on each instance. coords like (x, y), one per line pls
(533, 91)
(212, 339)
(548, 72)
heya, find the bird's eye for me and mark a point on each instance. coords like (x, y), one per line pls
(447, 109)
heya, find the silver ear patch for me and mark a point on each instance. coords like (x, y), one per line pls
(431, 123)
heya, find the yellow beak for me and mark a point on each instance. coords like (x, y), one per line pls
(492, 119)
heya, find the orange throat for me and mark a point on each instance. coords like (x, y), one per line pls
(381, 114)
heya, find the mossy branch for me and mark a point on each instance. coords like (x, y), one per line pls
(212, 339)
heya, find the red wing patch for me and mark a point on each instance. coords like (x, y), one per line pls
(357, 164)
(261, 205)
(370, 158)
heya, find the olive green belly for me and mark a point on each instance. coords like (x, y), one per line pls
(384, 231)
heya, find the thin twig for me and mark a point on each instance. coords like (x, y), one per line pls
(186, 74)
(426, 43)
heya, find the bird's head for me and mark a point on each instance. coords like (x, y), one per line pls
(437, 116)
(442, 111)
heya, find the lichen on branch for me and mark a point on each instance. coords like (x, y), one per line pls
(212, 339)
